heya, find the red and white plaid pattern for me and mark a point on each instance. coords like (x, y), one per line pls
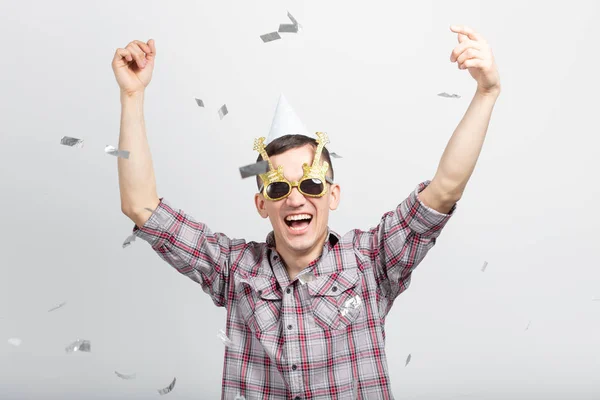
(290, 339)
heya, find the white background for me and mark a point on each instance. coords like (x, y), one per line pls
(368, 73)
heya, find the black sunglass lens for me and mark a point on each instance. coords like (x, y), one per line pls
(277, 189)
(312, 186)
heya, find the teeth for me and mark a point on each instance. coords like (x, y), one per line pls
(298, 217)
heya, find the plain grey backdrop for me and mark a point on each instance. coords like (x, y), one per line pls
(367, 73)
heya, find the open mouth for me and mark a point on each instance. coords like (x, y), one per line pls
(298, 222)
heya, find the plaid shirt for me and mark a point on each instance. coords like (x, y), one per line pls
(306, 338)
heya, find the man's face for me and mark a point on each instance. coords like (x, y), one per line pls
(301, 236)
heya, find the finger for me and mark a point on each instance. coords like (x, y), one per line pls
(152, 47)
(473, 63)
(465, 30)
(467, 55)
(123, 54)
(462, 47)
(137, 54)
(143, 46)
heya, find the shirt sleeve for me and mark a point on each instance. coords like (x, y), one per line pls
(191, 248)
(401, 240)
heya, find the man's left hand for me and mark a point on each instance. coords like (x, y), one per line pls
(474, 53)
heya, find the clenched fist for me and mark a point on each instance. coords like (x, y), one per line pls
(133, 66)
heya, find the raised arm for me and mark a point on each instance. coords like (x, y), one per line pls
(133, 66)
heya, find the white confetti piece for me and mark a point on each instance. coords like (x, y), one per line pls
(130, 239)
(305, 277)
(223, 336)
(79, 345)
(57, 307)
(528, 325)
(596, 298)
(15, 342)
(113, 151)
(269, 37)
(451, 96)
(407, 360)
(168, 388)
(351, 304)
(200, 102)
(223, 111)
(125, 376)
(484, 266)
(335, 155)
(71, 141)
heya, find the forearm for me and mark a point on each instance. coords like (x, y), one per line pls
(463, 149)
(137, 183)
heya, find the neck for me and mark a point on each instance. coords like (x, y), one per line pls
(295, 261)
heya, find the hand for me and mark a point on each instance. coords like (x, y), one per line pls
(133, 66)
(474, 53)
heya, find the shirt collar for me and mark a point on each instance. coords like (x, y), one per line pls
(334, 238)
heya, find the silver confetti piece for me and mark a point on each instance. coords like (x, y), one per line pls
(15, 342)
(223, 336)
(260, 167)
(352, 303)
(223, 111)
(288, 28)
(130, 239)
(168, 388)
(124, 376)
(306, 277)
(293, 19)
(200, 102)
(335, 155)
(528, 325)
(452, 96)
(57, 307)
(484, 266)
(239, 397)
(71, 141)
(407, 360)
(79, 345)
(269, 37)
(596, 298)
(115, 152)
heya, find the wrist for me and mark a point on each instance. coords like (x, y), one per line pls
(490, 92)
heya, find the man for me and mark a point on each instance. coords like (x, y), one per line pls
(306, 309)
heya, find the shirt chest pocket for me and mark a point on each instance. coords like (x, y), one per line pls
(335, 299)
(259, 302)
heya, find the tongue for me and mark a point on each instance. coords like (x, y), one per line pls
(300, 224)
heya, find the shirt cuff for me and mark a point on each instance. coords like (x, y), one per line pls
(158, 227)
(422, 219)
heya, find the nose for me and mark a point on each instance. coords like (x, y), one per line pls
(295, 199)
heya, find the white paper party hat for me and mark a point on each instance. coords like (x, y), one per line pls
(287, 122)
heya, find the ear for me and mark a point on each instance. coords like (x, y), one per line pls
(334, 196)
(260, 203)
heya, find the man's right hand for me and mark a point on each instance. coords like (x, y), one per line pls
(133, 66)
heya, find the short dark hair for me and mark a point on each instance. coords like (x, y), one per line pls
(288, 142)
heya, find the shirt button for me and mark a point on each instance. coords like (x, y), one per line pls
(288, 290)
(334, 289)
(275, 258)
(297, 398)
(260, 292)
(289, 327)
(294, 367)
